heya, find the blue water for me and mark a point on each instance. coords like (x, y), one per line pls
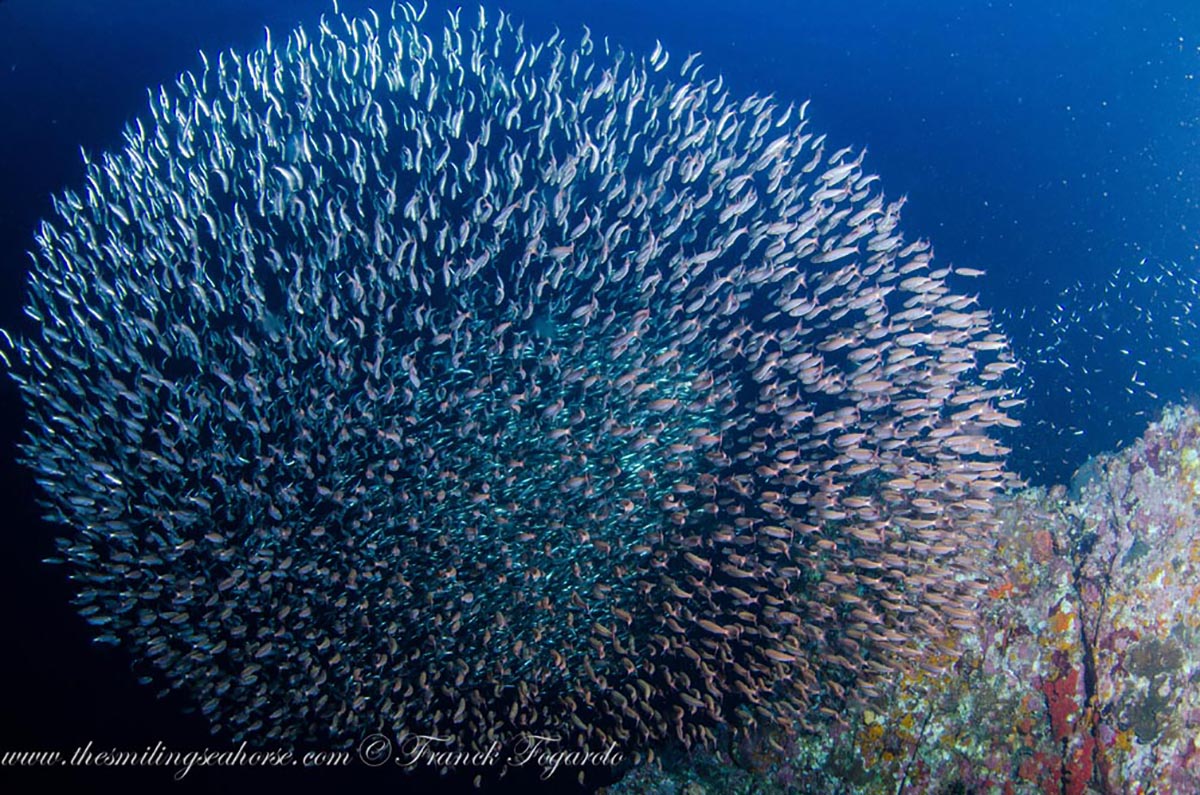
(1048, 143)
(1053, 144)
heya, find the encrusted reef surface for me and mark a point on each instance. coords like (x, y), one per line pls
(1082, 677)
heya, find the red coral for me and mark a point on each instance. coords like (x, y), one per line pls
(1060, 693)
(1072, 728)
(1078, 771)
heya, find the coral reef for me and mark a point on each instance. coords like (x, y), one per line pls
(1082, 675)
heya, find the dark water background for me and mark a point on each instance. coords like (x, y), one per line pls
(1053, 144)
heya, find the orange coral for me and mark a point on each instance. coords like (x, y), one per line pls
(1001, 590)
(1060, 622)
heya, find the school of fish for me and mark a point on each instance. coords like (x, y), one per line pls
(1099, 362)
(414, 376)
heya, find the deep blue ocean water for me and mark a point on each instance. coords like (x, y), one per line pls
(1053, 144)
